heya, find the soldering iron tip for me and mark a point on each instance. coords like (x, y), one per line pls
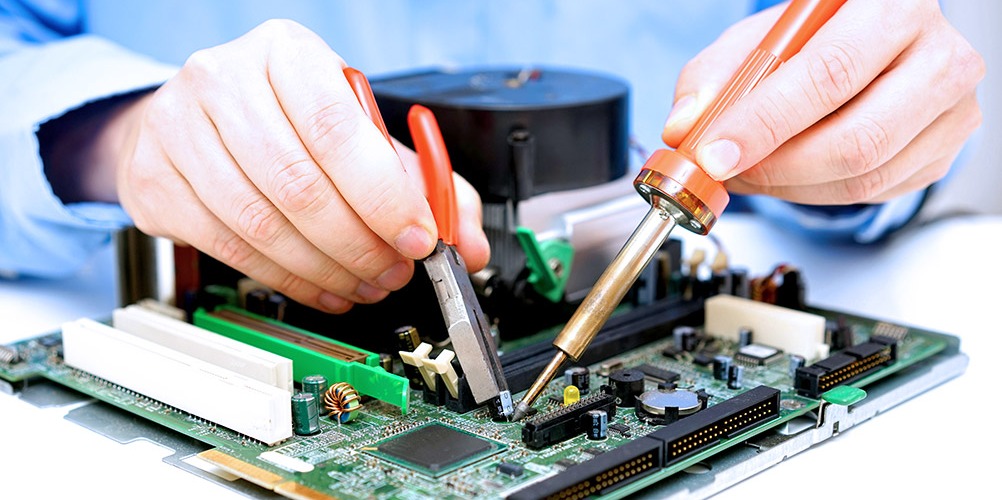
(520, 412)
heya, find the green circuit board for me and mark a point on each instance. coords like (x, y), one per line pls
(452, 455)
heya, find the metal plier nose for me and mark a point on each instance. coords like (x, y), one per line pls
(467, 325)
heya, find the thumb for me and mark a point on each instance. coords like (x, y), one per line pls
(705, 75)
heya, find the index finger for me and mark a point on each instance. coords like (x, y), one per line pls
(855, 46)
(348, 147)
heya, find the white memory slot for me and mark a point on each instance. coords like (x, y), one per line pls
(189, 339)
(229, 399)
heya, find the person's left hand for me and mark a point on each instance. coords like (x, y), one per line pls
(877, 104)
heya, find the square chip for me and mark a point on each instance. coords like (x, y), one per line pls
(757, 354)
(435, 449)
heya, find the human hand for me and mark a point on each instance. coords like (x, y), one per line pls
(258, 154)
(876, 105)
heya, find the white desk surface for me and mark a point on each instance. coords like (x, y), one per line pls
(944, 277)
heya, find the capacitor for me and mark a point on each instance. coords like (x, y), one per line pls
(386, 361)
(740, 285)
(734, 374)
(408, 340)
(571, 395)
(744, 336)
(685, 337)
(598, 424)
(626, 385)
(315, 385)
(305, 415)
(721, 365)
(796, 361)
(578, 376)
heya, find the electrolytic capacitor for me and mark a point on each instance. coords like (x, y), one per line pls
(598, 424)
(305, 414)
(734, 374)
(315, 385)
(578, 376)
(744, 336)
(685, 337)
(721, 367)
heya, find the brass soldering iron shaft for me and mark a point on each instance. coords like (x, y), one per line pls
(604, 297)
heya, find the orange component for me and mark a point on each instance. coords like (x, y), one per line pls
(360, 85)
(436, 170)
(674, 175)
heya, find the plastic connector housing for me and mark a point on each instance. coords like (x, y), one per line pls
(229, 399)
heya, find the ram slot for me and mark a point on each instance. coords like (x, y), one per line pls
(210, 347)
(720, 421)
(245, 405)
(310, 353)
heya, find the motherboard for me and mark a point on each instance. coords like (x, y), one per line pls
(678, 390)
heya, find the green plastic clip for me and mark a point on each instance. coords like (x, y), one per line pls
(844, 395)
(549, 263)
(368, 378)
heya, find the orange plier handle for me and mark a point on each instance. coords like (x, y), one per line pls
(433, 157)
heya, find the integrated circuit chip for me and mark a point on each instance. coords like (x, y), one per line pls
(435, 449)
(758, 354)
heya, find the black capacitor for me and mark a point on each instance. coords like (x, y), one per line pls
(578, 376)
(256, 301)
(686, 337)
(796, 361)
(745, 336)
(626, 386)
(598, 424)
(275, 306)
(408, 340)
(721, 367)
(317, 386)
(386, 361)
(305, 415)
(734, 375)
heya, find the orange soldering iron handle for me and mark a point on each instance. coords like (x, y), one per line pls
(360, 85)
(674, 176)
(436, 169)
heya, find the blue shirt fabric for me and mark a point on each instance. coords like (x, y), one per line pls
(56, 55)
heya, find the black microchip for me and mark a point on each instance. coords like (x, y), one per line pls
(757, 354)
(556, 399)
(435, 447)
(702, 358)
(593, 451)
(656, 373)
(509, 469)
(620, 428)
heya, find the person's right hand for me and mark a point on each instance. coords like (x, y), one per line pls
(258, 154)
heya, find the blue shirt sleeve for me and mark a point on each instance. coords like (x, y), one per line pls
(46, 69)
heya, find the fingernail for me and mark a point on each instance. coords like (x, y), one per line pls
(371, 293)
(395, 277)
(719, 158)
(681, 111)
(414, 242)
(333, 303)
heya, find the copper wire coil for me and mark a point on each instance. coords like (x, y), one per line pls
(340, 400)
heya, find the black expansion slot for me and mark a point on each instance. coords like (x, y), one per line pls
(845, 366)
(623, 332)
(648, 454)
(602, 474)
(722, 420)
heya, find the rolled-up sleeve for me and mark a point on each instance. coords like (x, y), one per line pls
(45, 71)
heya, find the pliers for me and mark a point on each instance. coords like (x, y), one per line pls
(465, 320)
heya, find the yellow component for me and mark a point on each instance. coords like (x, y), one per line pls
(571, 395)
